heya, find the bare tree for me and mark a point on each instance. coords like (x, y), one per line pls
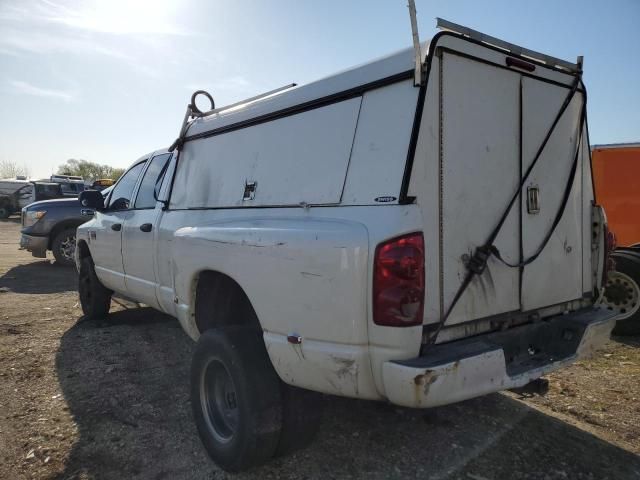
(10, 169)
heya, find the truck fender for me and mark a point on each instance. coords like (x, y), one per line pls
(305, 278)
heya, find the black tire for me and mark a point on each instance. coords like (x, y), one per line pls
(622, 292)
(301, 418)
(5, 211)
(64, 247)
(95, 298)
(236, 398)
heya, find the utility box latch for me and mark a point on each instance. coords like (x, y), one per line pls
(249, 189)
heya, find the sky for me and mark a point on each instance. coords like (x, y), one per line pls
(108, 81)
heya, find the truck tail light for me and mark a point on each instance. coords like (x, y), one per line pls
(398, 281)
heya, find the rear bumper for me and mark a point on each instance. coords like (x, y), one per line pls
(488, 363)
(36, 245)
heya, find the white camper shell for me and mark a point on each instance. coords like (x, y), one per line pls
(311, 202)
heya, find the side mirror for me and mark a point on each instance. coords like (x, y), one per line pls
(92, 199)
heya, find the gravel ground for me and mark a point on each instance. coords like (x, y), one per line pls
(109, 400)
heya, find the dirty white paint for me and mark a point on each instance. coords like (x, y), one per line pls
(297, 159)
(296, 272)
(305, 259)
(563, 254)
(475, 136)
(380, 145)
(454, 381)
(480, 172)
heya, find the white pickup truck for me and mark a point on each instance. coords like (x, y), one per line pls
(378, 235)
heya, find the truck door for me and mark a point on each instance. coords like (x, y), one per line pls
(562, 256)
(493, 120)
(105, 239)
(26, 195)
(480, 170)
(140, 232)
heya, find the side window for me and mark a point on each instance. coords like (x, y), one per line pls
(148, 191)
(122, 192)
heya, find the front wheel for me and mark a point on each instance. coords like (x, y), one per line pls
(64, 247)
(5, 211)
(95, 298)
(236, 398)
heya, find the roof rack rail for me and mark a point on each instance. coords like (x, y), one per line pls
(509, 47)
(253, 99)
(194, 112)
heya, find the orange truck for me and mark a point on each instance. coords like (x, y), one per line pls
(616, 175)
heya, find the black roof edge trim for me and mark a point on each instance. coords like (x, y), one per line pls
(403, 198)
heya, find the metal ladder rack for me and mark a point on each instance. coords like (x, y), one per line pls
(194, 112)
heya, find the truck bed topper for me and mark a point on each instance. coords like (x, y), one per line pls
(351, 82)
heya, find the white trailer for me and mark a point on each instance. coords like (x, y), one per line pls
(18, 193)
(420, 239)
(71, 185)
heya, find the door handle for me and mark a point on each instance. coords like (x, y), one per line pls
(533, 200)
(116, 226)
(146, 227)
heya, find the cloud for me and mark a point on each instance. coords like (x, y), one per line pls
(119, 17)
(12, 43)
(25, 88)
(42, 43)
(130, 32)
(11, 53)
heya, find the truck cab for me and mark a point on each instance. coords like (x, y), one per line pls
(373, 235)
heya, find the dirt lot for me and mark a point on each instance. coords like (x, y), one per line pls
(81, 399)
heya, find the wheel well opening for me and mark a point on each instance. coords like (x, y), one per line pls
(83, 249)
(221, 302)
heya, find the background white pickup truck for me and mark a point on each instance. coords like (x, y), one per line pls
(365, 236)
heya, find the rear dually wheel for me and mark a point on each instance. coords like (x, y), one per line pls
(622, 293)
(236, 398)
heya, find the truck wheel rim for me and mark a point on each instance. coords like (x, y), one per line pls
(68, 248)
(219, 401)
(622, 295)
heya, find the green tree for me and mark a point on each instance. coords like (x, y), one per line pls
(89, 170)
(116, 173)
